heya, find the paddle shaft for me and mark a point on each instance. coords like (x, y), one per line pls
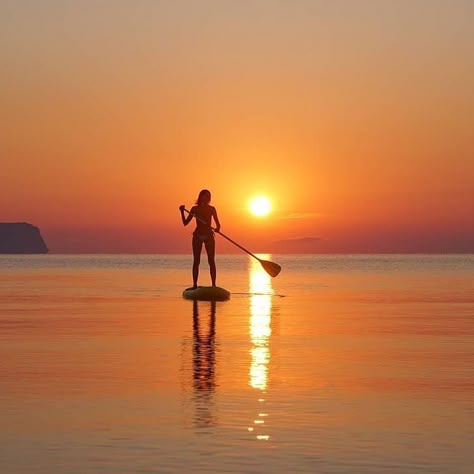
(225, 237)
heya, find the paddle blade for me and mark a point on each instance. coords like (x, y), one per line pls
(273, 269)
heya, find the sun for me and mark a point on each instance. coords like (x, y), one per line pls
(260, 206)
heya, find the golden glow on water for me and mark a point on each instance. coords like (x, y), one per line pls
(368, 367)
(260, 289)
(260, 318)
(258, 369)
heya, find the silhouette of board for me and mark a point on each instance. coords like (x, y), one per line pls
(206, 293)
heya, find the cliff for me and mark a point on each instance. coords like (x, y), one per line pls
(21, 237)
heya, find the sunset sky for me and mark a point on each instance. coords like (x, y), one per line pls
(355, 118)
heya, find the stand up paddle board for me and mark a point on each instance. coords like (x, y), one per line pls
(206, 293)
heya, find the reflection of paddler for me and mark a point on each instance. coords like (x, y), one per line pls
(203, 234)
(204, 364)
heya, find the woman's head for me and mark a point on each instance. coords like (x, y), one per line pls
(204, 197)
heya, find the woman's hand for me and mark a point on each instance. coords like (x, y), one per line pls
(182, 207)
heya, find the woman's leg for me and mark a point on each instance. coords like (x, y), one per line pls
(211, 251)
(197, 247)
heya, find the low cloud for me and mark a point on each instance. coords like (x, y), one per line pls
(298, 245)
(302, 215)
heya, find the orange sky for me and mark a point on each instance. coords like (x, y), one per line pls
(354, 118)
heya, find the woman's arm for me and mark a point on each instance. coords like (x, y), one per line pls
(216, 220)
(186, 219)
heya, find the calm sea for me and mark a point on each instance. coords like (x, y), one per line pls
(342, 364)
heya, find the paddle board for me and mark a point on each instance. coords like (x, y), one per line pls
(206, 293)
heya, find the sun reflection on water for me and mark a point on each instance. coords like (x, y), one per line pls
(261, 291)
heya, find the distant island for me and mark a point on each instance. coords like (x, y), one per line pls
(21, 237)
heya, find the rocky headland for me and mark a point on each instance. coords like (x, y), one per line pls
(21, 237)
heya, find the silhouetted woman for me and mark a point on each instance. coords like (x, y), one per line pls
(203, 234)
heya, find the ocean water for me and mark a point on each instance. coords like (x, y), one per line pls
(341, 364)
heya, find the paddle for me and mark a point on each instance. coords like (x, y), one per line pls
(273, 269)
